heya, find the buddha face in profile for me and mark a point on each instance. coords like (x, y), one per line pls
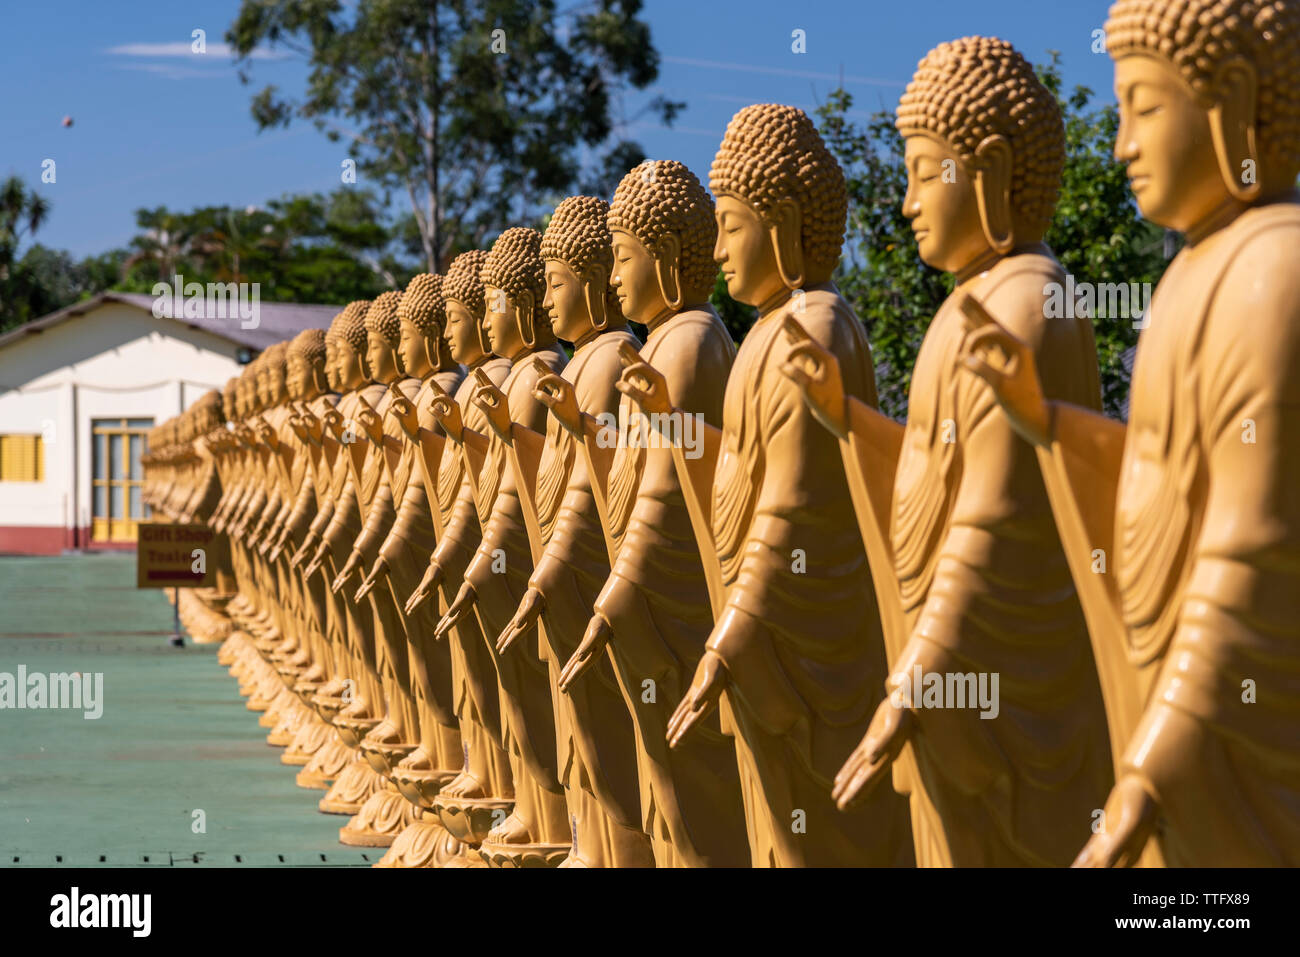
(577, 258)
(746, 254)
(351, 367)
(382, 359)
(635, 281)
(501, 323)
(565, 303)
(298, 377)
(463, 333)
(383, 333)
(413, 350)
(942, 204)
(332, 364)
(1165, 139)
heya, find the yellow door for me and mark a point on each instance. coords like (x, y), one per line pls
(116, 447)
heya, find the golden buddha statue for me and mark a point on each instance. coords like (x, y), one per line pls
(355, 701)
(386, 813)
(594, 735)
(426, 356)
(952, 507)
(653, 612)
(536, 831)
(482, 794)
(1192, 504)
(796, 655)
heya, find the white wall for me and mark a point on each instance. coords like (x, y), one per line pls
(113, 361)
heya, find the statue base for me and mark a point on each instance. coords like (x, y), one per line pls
(425, 843)
(353, 787)
(381, 819)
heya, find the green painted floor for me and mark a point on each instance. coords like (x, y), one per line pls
(174, 738)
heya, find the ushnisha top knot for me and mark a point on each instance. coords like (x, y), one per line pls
(514, 265)
(381, 318)
(309, 345)
(422, 304)
(350, 324)
(662, 196)
(578, 235)
(976, 87)
(771, 152)
(463, 283)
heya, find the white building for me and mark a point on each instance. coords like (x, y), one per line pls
(79, 389)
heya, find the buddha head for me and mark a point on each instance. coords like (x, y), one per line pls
(514, 285)
(423, 317)
(984, 147)
(272, 372)
(462, 291)
(663, 231)
(383, 337)
(578, 257)
(351, 343)
(1209, 104)
(305, 358)
(781, 204)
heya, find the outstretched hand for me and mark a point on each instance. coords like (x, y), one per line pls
(593, 643)
(701, 698)
(889, 730)
(524, 620)
(432, 578)
(461, 607)
(1128, 821)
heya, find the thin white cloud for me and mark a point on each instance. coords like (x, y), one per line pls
(183, 48)
(778, 71)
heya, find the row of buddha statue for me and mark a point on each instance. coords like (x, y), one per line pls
(673, 603)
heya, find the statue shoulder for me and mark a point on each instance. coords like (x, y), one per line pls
(1017, 289)
(1256, 311)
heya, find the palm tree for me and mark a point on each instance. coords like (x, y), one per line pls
(21, 213)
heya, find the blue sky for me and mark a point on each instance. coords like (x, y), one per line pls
(155, 125)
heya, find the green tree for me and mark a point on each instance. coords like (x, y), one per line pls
(1097, 234)
(477, 110)
(21, 214)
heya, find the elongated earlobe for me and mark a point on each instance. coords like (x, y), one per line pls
(993, 192)
(786, 231)
(668, 270)
(594, 287)
(1232, 128)
(524, 312)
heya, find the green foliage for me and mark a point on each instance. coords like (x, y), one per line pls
(476, 110)
(1097, 234)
